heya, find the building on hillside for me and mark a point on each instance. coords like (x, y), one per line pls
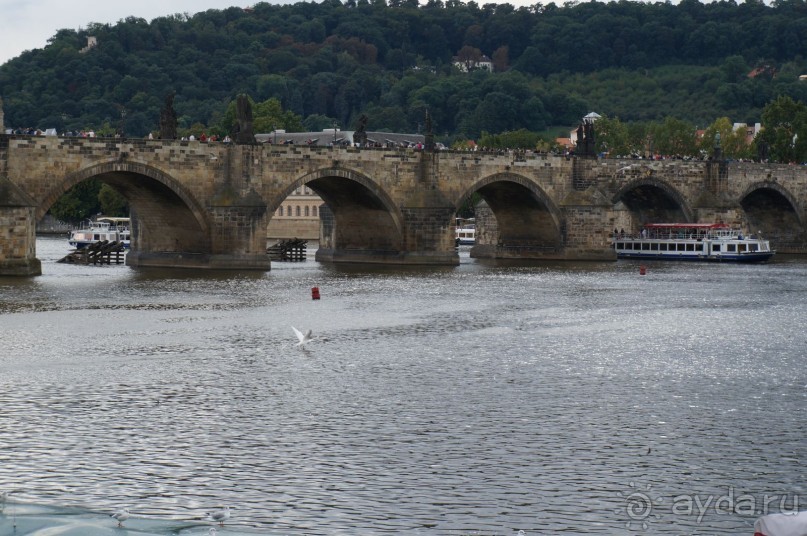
(566, 143)
(92, 42)
(750, 131)
(763, 71)
(465, 66)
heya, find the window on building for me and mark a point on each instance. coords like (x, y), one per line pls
(280, 211)
(298, 210)
(314, 210)
(306, 210)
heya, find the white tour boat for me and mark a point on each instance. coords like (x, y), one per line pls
(103, 228)
(692, 242)
(465, 233)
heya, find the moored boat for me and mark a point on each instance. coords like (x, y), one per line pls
(465, 233)
(692, 242)
(103, 228)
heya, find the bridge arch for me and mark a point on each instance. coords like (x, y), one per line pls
(166, 216)
(772, 192)
(526, 216)
(652, 200)
(772, 210)
(364, 216)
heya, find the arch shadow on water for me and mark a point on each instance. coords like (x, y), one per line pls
(362, 269)
(146, 274)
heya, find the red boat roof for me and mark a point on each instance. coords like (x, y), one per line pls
(687, 226)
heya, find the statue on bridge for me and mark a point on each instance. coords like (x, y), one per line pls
(429, 134)
(360, 134)
(585, 139)
(590, 148)
(243, 134)
(168, 119)
(717, 153)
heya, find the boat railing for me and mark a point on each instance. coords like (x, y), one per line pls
(673, 235)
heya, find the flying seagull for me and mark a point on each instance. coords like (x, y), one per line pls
(220, 516)
(304, 339)
(121, 515)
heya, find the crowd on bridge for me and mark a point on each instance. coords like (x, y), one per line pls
(519, 154)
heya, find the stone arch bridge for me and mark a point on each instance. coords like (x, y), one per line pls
(207, 205)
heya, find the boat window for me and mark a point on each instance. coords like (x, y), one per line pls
(690, 247)
(663, 246)
(741, 247)
(715, 247)
(645, 246)
(654, 246)
(753, 246)
(731, 247)
(681, 247)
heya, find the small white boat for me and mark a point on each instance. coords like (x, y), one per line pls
(103, 228)
(692, 242)
(465, 233)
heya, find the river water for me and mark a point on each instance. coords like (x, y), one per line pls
(481, 399)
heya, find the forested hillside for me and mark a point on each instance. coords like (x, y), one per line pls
(332, 61)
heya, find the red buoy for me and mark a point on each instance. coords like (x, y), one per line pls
(642, 270)
(314, 293)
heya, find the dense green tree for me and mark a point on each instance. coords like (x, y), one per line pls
(611, 136)
(78, 203)
(266, 117)
(640, 62)
(785, 130)
(112, 202)
(519, 139)
(733, 142)
(674, 137)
